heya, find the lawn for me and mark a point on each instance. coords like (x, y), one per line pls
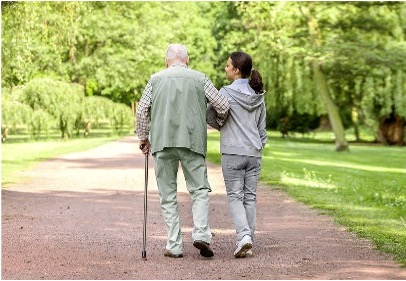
(364, 189)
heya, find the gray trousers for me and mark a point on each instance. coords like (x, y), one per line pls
(241, 175)
(195, 172)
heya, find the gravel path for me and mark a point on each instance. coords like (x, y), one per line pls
(80, 217)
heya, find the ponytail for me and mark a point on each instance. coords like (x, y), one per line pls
(243, 62)
(256, 82)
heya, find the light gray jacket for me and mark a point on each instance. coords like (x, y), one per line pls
(244, 132)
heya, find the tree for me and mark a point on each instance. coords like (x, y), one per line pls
(370, 61)
(288, 39)
(37, 38)
(60, 99)
(13, 112)
(315, 38)
(117, 53)
(341, 59)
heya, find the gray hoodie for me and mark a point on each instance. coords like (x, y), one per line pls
(244, 132)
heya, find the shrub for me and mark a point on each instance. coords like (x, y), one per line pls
(61, 100)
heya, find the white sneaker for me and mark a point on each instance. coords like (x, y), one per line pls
(243, 246)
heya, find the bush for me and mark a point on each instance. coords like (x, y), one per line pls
(61, 100)
(13, 112)
(40, 122)
(122, 117)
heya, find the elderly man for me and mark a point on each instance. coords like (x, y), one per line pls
(171, 124)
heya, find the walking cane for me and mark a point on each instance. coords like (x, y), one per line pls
(144, 232)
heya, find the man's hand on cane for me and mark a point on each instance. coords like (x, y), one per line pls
(145, 146)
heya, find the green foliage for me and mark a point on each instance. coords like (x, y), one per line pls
(59, 99)
(40, 122)
(91, 87)
(37, 38)
(112, 48)
(354, 43)
(117, 53)
(96, 109)
(264, 30)
(13, 112)
(17, 114)
(121, 118)
(43, 104)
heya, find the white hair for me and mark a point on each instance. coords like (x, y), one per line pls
(176, 51)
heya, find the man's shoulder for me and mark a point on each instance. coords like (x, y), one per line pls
(197, 72)
(197, 75)
(158, 73)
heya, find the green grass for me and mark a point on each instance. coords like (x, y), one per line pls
(364, 189)
(20, 153)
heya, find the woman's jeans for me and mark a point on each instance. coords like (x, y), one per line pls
(241, 175)
(195, 172)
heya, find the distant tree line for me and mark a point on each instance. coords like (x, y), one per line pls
(340, 62)
(43, 104)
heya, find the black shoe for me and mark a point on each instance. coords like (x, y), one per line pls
(204, 248)
(169, 254)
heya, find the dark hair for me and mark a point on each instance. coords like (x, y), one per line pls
(243, 62)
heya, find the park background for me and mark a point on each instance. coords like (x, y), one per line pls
(334, 72)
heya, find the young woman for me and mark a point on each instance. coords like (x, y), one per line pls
(243, 136)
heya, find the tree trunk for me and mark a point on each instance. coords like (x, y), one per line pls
(392, 130)
(356, 131)
(334, 117)
(62, 127)
(404, 135)
(4, 134)
(355, 123)
(315, 39)
(87, 128)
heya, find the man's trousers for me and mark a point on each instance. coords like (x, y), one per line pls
(195, 172)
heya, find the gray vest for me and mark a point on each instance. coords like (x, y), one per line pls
(178, 110)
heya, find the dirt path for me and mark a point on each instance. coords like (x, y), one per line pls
(80, 217)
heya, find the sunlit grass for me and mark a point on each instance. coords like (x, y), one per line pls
(344, 165)
(21, 134)
(364, 189)
(309, 180)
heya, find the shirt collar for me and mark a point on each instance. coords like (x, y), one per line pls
(178, 64)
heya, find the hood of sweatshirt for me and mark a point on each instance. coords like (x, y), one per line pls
(244, 95)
